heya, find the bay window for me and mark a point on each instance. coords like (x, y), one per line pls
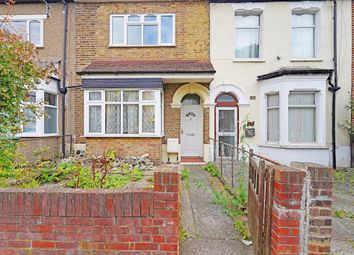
(29, 27)
(302, 117)
(42, 125)
(142, 30)
(123, 112)
(273, 117)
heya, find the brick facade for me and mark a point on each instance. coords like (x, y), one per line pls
(92, 43)
(130, 146)
(92, 221)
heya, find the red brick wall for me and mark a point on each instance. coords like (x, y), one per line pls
(92, 221)
(302, 209)
(126, 146)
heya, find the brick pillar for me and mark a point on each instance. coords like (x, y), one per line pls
(302, 209)
(166, 208)
(287, 210)
(319, 195)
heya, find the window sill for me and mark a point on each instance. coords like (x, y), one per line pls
(295, 146)
(140, 46)
(123, 136)
(249, 60)
(37, 135)
(307, 60)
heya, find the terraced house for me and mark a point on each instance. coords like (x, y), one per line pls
(143, 77)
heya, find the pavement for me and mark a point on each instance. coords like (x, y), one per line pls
(208, 230)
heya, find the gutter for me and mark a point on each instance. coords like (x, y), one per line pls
(63, 89)
(333, 87)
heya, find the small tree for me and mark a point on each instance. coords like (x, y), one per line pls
(19, 74)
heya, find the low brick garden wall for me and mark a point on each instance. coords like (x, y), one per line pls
(83, 222)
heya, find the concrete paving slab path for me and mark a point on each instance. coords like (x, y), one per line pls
(209, 229)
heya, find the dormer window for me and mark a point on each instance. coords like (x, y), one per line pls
(142, 30)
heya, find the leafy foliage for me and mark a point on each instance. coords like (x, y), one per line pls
(212, 169)
(347, 125)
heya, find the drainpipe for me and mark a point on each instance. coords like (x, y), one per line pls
(63, 90)
(333, 87)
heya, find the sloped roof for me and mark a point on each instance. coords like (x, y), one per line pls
(149, 66)
(304, 70)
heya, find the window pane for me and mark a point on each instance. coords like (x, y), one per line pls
(134, 35)
(273, 125)
(117, 30)
(226, 121)
(131, 96)
(148, 95)
(167, 29)
(303, 42)
(95, 96)
(112, 119)
(17, 27)
(150, 18)
(272, 100)
(134, 18)
(148, 118)
(296, 98)
(247, 21)
(227, 150)
(50, 99)
(113, 96)
(302, 125)
(131, 119)
(50, 120)
(225, 98)
(31, 97)
(95, 118)
(35, 32)
(303, 20)
(150, 35)
(30, 126)
(191, 99)
(247, 43)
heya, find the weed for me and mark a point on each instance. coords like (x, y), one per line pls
(185, 174)
(212, 169)
(242, 228)
(343, 214)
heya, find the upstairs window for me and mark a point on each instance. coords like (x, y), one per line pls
(303, 36)
(142, 30)
(29, 27)
(247, 36)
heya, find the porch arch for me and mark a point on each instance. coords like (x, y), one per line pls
(229, 88)
(190, 88)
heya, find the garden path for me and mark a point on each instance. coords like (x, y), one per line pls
(207, 229)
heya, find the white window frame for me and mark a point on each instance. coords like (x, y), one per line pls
(142, 23)
(28, 19)
(293, 83)
(258, 13)
(315, 12)
(268, 108)
(40, 120)
(158, 113)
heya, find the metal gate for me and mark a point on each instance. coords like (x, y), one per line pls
(260, 200)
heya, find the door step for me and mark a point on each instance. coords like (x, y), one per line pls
(192, 161)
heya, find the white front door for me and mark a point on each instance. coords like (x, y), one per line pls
(226, 128)
(191, 130)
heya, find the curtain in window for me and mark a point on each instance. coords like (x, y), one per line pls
(50, 120)
(94, 118)
(302, 118)
(166, 29)
(273, 123)
(112, 119)
(226, 121)
(118, 30)
(247, 36)
(130, 119)
(303, 36)
(148, 118)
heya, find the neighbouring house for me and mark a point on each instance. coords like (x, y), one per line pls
(273, 60)
(43, 25)
(143, 77)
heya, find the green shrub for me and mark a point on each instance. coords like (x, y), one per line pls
(212, 169)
